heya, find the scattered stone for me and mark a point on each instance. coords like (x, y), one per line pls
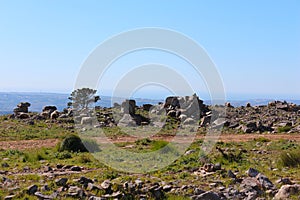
(75, 168)
(207, 196)
(61, 182)
(32, 189)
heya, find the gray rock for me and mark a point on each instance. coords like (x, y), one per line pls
(41, 196)
(32, 189)
(264, 181)
(207, 196)
(61, 181)
(252, 172)
(286, 191)
(75, 168)
(9, 197)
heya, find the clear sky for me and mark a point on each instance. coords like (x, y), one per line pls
(254, 44)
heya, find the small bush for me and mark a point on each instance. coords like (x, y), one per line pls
(63, 155)
(284, 129)
(91, 145)
(72, 143)
(290, 158)
(262, 139)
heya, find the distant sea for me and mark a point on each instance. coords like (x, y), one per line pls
(8, 101)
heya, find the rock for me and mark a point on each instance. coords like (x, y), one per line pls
(217, 166)
(264, 181)
(41, 196)
(189, 121)
(189, 152)
(75, 168)
(32, 189)
(61, 182)
(230, 174)
(9, 197)
(285, 181)
(97, 198)
(86, 121)
(106, 185)
(252, 172)
(128, 107)
(49, 109)
(54, 115)
(147, 107)
(76, 192)
(220, 122)
(127, 121)
(286, 191)
(85, 181)
(23, 115)
(208, 167)
(207, 196)
(5, 165)
(22, 107)
(167, 188)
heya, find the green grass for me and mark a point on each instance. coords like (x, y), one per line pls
(290, 158)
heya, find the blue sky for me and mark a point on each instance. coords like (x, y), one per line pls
(254, 44)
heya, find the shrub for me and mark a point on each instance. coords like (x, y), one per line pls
(290, 158)
(284, 129)
(91, 145)
(72, 143)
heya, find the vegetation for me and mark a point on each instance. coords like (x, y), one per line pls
(83, 98)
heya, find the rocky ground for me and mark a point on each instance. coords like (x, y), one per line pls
(257, 156)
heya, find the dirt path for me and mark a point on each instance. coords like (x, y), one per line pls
(35, 144)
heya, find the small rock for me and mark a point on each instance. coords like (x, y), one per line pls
(32, 189)
(252, 172)
(9, 197)
(286, 191)
(61, 181)
(207, 196)
(76, 169)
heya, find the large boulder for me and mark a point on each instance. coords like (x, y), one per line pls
(128, 107)
(22, 108)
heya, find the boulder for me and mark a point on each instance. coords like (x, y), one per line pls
(286, 191)
(50, 109)
(22, 107)
(86, 121)
(128, 107)
(54, 115)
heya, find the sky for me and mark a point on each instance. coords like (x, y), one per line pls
(255, 45)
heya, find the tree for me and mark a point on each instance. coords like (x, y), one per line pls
(83, 98)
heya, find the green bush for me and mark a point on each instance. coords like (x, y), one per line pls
(284, 129)
(72, 143)
(91, 145)
(290, 158)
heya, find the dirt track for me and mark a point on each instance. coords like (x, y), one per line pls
(35, 144)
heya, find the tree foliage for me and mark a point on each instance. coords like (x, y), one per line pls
(83, 98)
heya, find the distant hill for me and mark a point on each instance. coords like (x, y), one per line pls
(8, 101)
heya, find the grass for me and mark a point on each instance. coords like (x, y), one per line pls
(290, 158)
(284, 129)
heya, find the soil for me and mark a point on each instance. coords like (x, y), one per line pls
(36, 144)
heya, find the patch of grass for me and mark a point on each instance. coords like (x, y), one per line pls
(284, 129)
(261, 139)
(290, 158)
